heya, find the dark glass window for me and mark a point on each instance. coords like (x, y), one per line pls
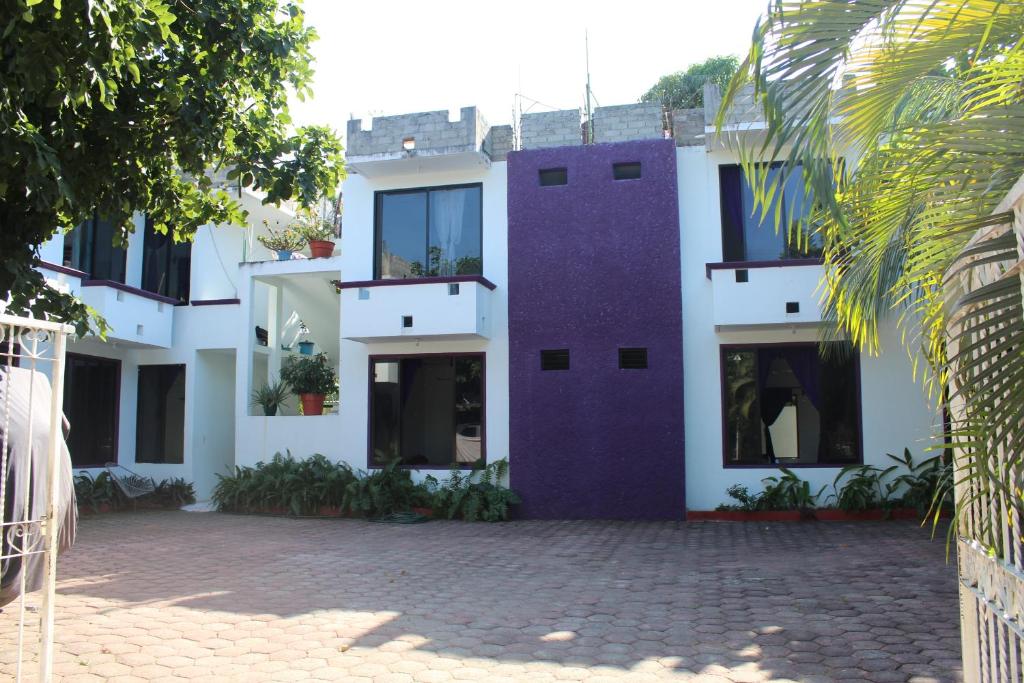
(786, 405)
(553, 176)
(160, 426)
(746, 235)
(429, 232)
(92, 391)
(90, 248)
(427, 411)
(626, 171)
(166, 264)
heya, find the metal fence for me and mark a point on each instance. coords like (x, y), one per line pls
(31, 420)
(990, 542)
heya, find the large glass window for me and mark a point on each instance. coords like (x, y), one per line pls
(92, 388)
(160, 426)
(429, 232)
(166, 264)
(427, 411)
(90, 248)
(746, 236)
(787, 405)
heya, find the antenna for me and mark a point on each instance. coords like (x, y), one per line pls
(590, 122)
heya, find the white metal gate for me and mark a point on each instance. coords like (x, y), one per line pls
(990, 541)
(30, 481)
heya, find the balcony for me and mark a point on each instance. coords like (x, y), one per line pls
(135, 316)
(438, 308)
(757, 293)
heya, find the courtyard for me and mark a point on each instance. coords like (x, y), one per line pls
(175, 595)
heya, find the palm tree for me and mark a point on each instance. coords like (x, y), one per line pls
(906, 121)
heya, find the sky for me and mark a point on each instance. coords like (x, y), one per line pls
(396, 57)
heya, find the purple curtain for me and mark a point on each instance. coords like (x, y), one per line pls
(802, 360)
(730, 182)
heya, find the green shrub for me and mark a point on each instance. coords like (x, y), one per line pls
(96, 491)
(172, 493)
(926, 486)
(384, 492)
(299, 487)
(479, 495)
(863, 488)
(785, 492)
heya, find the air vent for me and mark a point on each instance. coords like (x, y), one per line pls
(792, 307)
(406, 321)
(553, 176)
(453, 289)
(626, 171)
(554, 359)
(633, 358)
(742, 275)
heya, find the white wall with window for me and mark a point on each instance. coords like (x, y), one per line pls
(722, 378)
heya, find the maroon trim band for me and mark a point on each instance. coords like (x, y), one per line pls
(479, 279)
(745, 265)
(63, 269)
(131, 290)
(215, 302)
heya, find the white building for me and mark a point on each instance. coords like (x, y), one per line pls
(607, 316)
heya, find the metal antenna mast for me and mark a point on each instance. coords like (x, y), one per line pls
(590, 123)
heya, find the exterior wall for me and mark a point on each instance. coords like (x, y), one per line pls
(593, 266)
(763, 297)
(552, 129)
(432, 131)
(350, 441)
(625, 122)
(688, 127)
(894, 411)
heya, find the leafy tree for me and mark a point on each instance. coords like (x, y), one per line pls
(928, 98)
(685, 89)
(119, 106)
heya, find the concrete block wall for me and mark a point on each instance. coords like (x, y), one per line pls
(552, 129)
(431, 130)
(744, 109)
(688, 127)
(499, 142)
(628, 122)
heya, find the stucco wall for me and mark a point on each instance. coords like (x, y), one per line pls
(593, 266)
(895, 413)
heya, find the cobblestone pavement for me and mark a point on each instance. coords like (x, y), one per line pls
(172, 595)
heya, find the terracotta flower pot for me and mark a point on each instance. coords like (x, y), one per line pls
(312, 404)
(321, 248)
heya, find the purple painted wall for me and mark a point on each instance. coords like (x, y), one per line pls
(594, 266)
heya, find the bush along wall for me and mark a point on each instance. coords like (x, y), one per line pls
(905, 490)
(317, 487)
(99, 493)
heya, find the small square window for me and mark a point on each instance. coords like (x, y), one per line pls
(792, 307)
(406, 321)
(633, 358)
(453, 289)
(742, 275)
(626, 171)
(554, 359)
(553, 176)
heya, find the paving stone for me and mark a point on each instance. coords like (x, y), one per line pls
(175, 596)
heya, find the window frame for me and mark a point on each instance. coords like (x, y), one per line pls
(378, 198)
(90, 232)
(723, 349)
(147, 231)
(391, 357)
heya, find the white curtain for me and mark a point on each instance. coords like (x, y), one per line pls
(447, 208)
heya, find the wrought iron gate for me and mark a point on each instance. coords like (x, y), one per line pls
(29, 479)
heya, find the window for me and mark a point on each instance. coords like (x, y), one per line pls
(633, 359)
(92, 392)
(160, 426)
(429, 232)
(553, 176)
(554, 359)
(427, 411)
(746, 236)
(166, 264)
(90, 248)
(626, 171)
(786, 405)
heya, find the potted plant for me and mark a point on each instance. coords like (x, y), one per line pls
(312, 378)
(282, 242)
(270, 397)
(318, 233)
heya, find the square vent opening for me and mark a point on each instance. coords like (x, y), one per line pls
(629, 170)
(792, 307)
(633, 358)
(554, 359)
(406, 321)
(553, 176)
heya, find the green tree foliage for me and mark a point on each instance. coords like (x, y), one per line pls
(927, 99)
(119, 106)
(685, 89)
